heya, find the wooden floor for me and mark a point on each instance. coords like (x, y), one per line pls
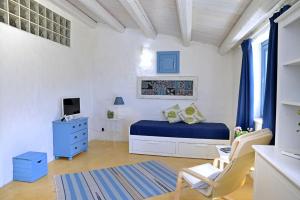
(102, 155)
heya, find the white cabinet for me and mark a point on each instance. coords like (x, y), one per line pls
(114, 128)
(276, 177)
(288, 83)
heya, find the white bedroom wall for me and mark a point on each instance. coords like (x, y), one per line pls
(119, 62)
(101, 64)
(35, 75)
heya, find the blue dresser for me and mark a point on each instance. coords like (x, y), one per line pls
(30, 166)
(70, 137)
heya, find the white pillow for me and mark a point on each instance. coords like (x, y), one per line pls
(171, 114)
(191, 114)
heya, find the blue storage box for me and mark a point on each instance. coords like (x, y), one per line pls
(30, 166)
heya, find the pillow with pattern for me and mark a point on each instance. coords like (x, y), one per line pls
(171, 114)
(191, 115)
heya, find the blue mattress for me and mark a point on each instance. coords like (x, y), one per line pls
(203, 130)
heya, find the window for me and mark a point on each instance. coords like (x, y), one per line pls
(34, 18)
(264, 63)
(260, 57)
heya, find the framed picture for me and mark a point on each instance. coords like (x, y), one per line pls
(168, 61)
(167, 87)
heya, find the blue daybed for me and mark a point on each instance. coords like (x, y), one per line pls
(218, 131)
(177, 139)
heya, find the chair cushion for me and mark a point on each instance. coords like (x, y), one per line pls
(207, 170)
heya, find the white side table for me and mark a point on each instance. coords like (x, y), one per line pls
(114, 127)
(224, 157)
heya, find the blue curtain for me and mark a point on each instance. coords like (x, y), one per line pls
(245, 113)
(269, 112)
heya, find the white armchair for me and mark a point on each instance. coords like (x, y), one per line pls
(213, 182)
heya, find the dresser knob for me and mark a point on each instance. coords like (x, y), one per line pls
(84, 143)
(73, 126)
(83, 133)
(79, 125)
(75, 137)
(75, 148)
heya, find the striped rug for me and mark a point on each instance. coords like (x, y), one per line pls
(128, 182)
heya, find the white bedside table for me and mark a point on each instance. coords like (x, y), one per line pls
(224, 157)
(114, 127)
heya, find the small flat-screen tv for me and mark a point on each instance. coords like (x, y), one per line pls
(70, 106)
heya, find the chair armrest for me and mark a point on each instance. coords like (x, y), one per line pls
(199, 176)
(216, 162)
(219, 163)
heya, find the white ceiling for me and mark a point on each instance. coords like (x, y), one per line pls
(163, 15)
(211, 19)
(115, 8)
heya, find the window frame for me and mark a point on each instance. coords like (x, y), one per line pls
(264, 66)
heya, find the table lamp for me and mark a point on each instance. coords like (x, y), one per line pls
(118, 102)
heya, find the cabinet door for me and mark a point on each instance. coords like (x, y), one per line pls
(270, 184)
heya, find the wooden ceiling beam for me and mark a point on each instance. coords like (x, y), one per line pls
(254, 15)
(184, 9)
(138, 14)
(75, 12)
(103, 14)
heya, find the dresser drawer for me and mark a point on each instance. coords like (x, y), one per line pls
(78, 147)
(197, 150)
(77, 125)
(148, 146)
(79, 135)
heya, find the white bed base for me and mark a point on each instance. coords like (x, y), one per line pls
(175, 147)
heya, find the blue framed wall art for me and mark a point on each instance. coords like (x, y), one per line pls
(167, 87)
(168, 61)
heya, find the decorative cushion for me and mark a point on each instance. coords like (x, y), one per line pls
(191, 115)
(171, 114)
(207, 170)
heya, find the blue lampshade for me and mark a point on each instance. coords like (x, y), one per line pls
(119, 101)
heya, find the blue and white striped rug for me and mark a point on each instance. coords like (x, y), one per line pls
(128, 182)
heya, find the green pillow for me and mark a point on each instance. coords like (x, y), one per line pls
(171, 114)
(191, 115)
